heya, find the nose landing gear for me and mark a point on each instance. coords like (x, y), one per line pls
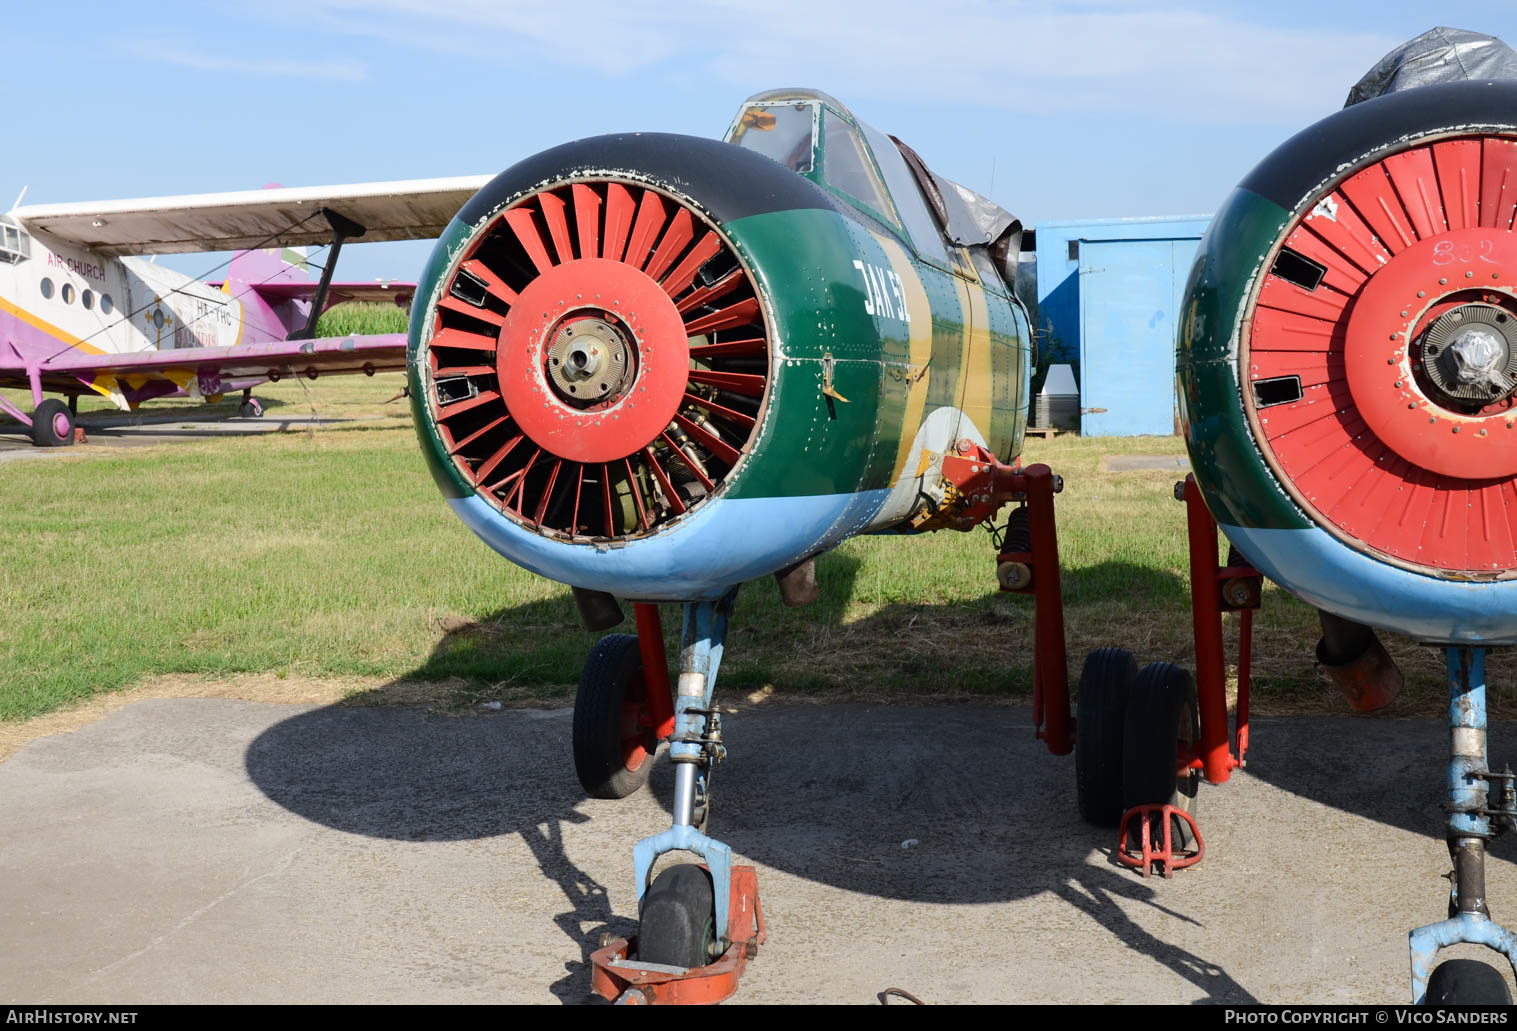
(699, 923)
(1480, 806)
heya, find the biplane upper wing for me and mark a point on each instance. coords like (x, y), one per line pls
(412, 209)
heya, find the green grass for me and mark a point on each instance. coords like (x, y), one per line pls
(361, 317)
(331, 554)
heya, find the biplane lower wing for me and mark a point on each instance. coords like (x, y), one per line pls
(129, 379)
(338, 293)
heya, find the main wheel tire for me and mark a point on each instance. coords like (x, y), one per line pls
(252, 408)
(52, 424)
(1161, 716)
(613, 747)
(1105, 683)
(1467, 982)
(678, 925)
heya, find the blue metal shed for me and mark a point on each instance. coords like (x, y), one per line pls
(1109, 293)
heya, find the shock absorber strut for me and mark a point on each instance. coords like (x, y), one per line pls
(1472, 821)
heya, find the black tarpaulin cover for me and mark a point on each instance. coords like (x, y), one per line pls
(1438, 55)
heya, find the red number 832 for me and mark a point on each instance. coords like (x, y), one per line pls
(1446, 252)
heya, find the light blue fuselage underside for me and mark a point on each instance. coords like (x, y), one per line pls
(725, 542)
(1322, 571)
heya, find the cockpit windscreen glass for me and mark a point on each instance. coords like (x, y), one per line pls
(785, 132)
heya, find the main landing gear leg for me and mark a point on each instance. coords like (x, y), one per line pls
(1480, 805)
(699, 924)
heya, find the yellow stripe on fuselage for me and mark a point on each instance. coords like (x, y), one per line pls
(47, 327)
(977, 380)
(919, 350)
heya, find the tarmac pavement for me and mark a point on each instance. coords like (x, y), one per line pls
(217, 851)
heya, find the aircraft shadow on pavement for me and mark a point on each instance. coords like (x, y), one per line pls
(941, 804)
(1392, 771)
(408, 776)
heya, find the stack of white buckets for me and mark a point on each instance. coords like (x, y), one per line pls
(1058, 403)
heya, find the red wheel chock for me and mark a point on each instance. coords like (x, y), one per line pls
(626, 982)
(1142, 858)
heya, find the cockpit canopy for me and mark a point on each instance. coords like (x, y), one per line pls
(814, 135)
(15, 244)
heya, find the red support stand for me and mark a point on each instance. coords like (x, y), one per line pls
(1215, 589)
(982, 485)
(1050, 664)
(1146, 854)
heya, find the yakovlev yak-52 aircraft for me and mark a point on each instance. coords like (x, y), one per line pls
(655, 367)
(79, 315)
(1348, 386)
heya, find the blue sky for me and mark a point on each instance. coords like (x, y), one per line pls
(1078, 109)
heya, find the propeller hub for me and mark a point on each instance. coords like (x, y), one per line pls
(561, 406)
(591, 360)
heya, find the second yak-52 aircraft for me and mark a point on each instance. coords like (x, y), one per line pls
(81, 313)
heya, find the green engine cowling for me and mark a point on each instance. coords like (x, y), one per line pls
(648, 365)
(1347, 362)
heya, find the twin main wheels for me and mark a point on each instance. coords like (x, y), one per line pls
(1135, 732)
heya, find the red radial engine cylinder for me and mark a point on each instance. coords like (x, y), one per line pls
(1381, 351)
(601, 359)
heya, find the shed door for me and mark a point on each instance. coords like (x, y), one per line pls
(1128, 292)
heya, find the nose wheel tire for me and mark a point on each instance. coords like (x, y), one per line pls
(52, 424)
(613, 734)
(1105, 683)
(1467, 982)
(679, 918)
(1162, 725)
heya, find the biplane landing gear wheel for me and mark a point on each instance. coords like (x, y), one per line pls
(1162, 719)
(252, 408)
(1105, 684)
(1467, 982)
(678, 925)
(613, 738)
(52, 424)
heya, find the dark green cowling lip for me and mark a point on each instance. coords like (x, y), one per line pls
(1239, 487)
(446, 475)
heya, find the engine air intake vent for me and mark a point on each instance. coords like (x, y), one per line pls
(616, 357)
(1389, 310)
